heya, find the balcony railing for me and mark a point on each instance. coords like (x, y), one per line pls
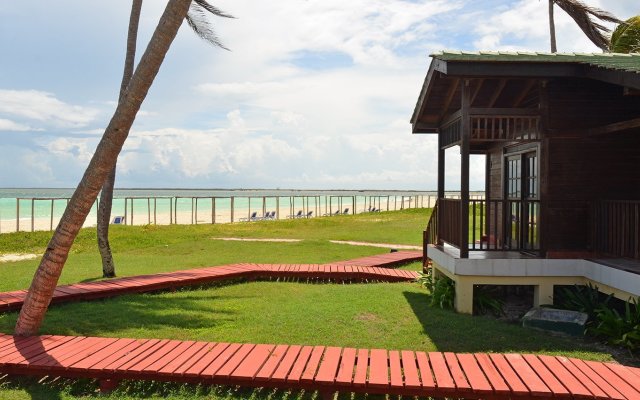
(616, 228)
(494, 225)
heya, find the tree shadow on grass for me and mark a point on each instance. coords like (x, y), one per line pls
(464, 333)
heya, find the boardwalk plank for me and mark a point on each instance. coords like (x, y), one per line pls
(360, 377)
(410, 369)
(573, 385)
(594, 383)
(456, 372)
(329, 365)
(512, 379)
(426, 372)
(378, 369)
(288, 361)
(475, 376)
(312, 365)
(300, 364)
(201, 359)
(347, 365)
(211, 369)
(444, 380)
(254, 361)
(620, 384)
(500, 387)
(395, 370)
(269, 367)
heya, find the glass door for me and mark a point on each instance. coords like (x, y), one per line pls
(522, 207)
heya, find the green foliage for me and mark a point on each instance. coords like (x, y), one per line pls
(486, 300)
(442, 289)
(626, 37)
(619, 329)
(584, 298)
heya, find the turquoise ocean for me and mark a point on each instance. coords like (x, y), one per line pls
(49, 203)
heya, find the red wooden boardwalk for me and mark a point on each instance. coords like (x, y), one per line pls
(385, 260)
(327, 369)
(368, 268)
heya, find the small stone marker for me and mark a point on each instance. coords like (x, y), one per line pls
(551, 319)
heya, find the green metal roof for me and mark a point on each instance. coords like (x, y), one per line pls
(612, 61)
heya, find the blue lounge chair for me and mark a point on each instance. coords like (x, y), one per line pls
(309, 214)
(298, 215)
(119, 220)
(251, 218)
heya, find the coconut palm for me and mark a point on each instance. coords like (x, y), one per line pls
(46, 277)
(626, 37)
(582, 14)
(197, 20)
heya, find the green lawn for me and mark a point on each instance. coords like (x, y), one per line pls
(382, 315)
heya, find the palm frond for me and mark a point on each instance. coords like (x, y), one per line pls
(582, 14)
(213, 10)
(198, 21)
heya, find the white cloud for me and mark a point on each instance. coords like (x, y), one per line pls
(44, 108)
(10, 126)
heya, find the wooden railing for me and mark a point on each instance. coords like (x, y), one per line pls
(616, 228)
(494, 225)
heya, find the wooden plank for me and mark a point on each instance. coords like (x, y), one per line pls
(272, 363)
(312, 366)
(443, 378)
(500, 387)
(456, 372)
(329, 365)
(593, 382)
(410, 369)
(573, 385)
(362, 364)
(298, 367)
(288, 361)
(426, 373)
(158, 354)
(106, 356)
(347, 365)
(378, 369)
(234, 362)
(48, 353)
(625, 374)
(546, 375)
(475, 376)
(207, 357)
(176, 357)
(220, 360)
(512, 379)
(620, 384)
(528, 376)
(137, 355)
(90, 352)
(254, 361)
(395, 370)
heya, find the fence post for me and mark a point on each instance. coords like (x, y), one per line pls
(232, 206)
(33, 203)
(277, 207)
(18, 215)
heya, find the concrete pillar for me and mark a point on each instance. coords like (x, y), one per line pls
(543, 294)
(464, 295)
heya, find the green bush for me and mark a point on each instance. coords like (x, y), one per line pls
(442, 289)
(586, 299)
(619, 329)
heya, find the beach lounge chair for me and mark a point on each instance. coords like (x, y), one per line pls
(270, 215)
(345, 212)
(309, 214)
(298, 215)
(118, 220)
(251, 218)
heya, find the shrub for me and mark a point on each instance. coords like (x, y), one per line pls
(442, 289)
(619, 329)
(486, 300)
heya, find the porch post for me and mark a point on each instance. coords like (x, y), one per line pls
(465, 138)
(441, 159)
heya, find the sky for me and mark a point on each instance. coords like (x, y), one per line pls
(311, 95)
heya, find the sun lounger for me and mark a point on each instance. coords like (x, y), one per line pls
(251, 218)
(345, 212)
(298, 215)
(309, 214)
(118, 220)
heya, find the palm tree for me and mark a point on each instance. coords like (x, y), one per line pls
(106, 194)
(582, 14)
(196, 18)
(626, 37)
(46, 277)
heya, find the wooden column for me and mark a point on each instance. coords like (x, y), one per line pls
(465, 145)
(543, 158)
(487, 195)
(441, 181)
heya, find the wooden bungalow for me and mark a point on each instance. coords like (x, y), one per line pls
(561, 135)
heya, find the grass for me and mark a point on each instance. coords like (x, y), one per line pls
(149, 249)
(376, 315)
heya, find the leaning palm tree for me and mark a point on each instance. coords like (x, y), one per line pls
(197, 20)
(582, 14)
(46, 276)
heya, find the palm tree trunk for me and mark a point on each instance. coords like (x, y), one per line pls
(106, 195)
(46, 277)
(552, 27)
